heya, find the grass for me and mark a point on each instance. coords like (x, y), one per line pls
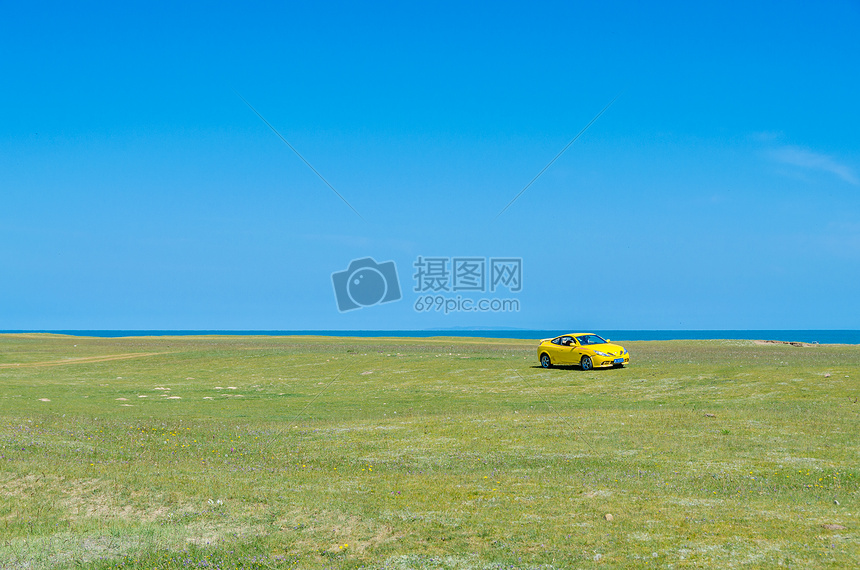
(309, 452)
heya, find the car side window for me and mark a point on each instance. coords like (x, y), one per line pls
(556, 341)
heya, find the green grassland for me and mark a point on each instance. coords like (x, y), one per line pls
(310, 452)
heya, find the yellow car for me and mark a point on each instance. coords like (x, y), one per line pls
(588, 350)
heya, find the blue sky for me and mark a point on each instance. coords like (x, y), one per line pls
(721, 190)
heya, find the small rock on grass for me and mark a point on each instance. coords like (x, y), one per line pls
(710, 415)
(608, 517)
(833, 526)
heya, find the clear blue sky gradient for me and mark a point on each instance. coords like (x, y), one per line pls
(720, 191)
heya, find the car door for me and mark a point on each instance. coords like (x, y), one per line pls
(576, 352)
(567, 354)
(553, 349)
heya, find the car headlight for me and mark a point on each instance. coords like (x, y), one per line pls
(601, 353)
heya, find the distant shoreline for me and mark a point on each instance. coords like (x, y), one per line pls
(798, 337)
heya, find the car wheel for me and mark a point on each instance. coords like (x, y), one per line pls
(586, 363)
(545, 361)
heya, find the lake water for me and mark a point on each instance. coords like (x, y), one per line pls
(819, 336)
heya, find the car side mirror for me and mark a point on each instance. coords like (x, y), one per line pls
(608, 340)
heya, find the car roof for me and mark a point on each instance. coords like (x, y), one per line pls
(561, 335)
(565, 334)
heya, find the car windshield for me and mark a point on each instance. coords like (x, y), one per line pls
(590, 339)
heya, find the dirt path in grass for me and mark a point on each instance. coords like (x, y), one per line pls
(82, 360)
(789, 343)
